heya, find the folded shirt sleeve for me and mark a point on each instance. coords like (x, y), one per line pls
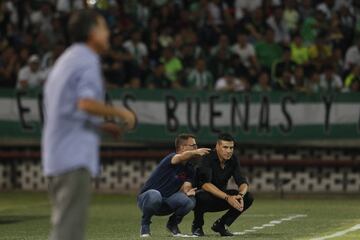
(237, 175)
(90, 86)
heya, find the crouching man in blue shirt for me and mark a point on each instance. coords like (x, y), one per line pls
(169, 189)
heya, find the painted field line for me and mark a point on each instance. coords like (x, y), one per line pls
(340, 233)
(272, 223)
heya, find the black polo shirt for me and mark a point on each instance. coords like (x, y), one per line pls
(210, 171)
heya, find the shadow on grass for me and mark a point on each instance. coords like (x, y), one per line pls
(18, 219)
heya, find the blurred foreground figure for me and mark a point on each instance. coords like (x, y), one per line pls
(74, 111)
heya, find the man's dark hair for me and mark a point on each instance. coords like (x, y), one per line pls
(81, 23)
(225, 137)
(181, 138)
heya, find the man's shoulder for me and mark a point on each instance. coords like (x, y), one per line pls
(210, 157)
(167, 158)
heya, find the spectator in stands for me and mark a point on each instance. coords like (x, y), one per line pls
(9, 65)
(317, 32)
(263, 84)
(246, 51)
(327, 7)
(354, 87)
(219, 63)
(173, 66)
(329, 80)
(291, 15)
(285, 63)
(286, 82)
(352, 56)
(299, 53)
(200, 77)
(338, 61)
(223, 45)
(313, 83)
(158, 79)
(134, 83)
(311, 26)
(230, 83)
(216, 9)
(306, 8)
(277, 23)
(255, 24)
(347, 21)
(299, 79)
(136, 47)
(30, 76)
(154, 47)
(268, 51)
(321, 50)
(244, 7)
(353, 76)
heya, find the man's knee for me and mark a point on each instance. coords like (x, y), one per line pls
(248, 200)
(190, 203)
(153, 199)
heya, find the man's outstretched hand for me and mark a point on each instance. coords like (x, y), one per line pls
(191, 192)
(202, 151)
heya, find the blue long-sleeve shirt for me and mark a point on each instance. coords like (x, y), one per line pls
(70, 136)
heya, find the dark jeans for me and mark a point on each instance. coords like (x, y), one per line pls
(206, 202)
(152, 203)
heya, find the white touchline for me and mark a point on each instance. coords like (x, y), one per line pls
(272, 223)
(340, 233)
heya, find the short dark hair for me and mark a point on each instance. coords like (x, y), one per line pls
(181, 138)
(81, 23)
(225, 137)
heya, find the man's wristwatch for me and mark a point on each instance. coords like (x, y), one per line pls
(241, 194)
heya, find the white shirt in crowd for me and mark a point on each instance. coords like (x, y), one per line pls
(245, 53)
(333, 84)
(352, 56)
(33, 79)
(281, 30)
(241, 6)
(137, 50)
(223, 84)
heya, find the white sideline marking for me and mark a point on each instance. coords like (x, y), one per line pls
(272, 224)
(340, 233)
(184, 236)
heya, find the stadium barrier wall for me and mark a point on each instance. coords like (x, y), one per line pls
(250, 117)
(288, 169)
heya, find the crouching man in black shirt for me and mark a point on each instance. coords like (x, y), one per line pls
(212, 178)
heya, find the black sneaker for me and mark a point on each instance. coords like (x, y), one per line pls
(145, 231)
(220, 228)
(197, 231)
(173, 228)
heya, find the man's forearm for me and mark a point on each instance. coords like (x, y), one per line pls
(243, 189)
(98, 108)
(211, 188)
(183, 157)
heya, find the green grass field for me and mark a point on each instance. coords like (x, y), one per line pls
(25, 216)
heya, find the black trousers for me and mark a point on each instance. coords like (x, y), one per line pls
(206, 202)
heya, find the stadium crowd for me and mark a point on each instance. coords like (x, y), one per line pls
(230, 45)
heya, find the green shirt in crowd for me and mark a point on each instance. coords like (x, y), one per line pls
(268, 53)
